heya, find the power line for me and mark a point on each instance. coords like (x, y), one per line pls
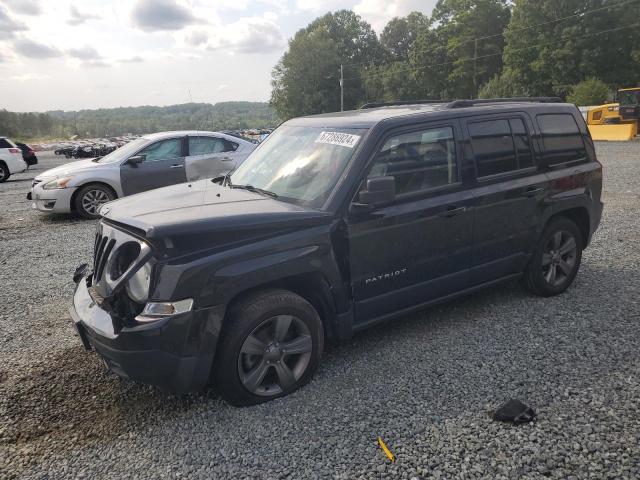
(528, 27)
(489, 55)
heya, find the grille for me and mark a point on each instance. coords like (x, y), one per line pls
(108, 271)
(103, 247)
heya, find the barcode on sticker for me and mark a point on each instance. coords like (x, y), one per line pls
(337, 138)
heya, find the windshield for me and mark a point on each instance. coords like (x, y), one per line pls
(629, 98)
(124, 151)
(302, 164)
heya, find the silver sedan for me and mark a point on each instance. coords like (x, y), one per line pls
(149, 162)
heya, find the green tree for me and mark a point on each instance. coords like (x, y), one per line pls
(553, 45)
(472, 28)
(305, 80)
(399, 34)
(502, 86)
(589, 92)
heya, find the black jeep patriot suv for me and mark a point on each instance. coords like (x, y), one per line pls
(336, 222)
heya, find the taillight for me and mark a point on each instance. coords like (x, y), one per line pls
(14, 150)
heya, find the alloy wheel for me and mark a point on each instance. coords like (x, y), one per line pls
(559, 258)
(275, 355)
(92, 200)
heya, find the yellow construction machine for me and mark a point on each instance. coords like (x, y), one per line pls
(616, 121)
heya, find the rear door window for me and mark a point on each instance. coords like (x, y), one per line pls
(561, 138)
(500, 146)
(208, 145)
(493, 147)
(522, 143)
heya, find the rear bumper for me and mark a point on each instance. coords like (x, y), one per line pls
(175, 353)
(595, 217)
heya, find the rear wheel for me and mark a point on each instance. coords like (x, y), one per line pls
(270, 346)
(90, 197)
(556, 260)
(4, 172)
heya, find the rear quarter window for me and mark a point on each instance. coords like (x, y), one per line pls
(561, 138)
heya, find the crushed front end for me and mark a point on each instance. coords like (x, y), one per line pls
(165, 342)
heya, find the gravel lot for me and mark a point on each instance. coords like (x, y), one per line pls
(425, 383)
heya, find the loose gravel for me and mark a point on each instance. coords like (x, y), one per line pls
(425, 384)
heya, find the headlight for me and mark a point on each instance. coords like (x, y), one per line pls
(156, 310)
(138, 285)
(57, 183)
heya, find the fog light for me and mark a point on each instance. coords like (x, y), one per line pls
(156, 310)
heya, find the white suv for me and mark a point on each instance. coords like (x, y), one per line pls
(10, 159)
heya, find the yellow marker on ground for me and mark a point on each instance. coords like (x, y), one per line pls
(386, 450)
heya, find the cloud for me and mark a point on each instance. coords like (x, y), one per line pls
(84, 53)
(247, 35)
(29, 76)
(8, 25)
(78, 17)
(197, 38)
(134, 59)
(95, 64)
(315, 5)
(158, 15)
(32, 49)
(254, 35)
(379, 12)
(25, 7)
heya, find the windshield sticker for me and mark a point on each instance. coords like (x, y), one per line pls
(337, 138)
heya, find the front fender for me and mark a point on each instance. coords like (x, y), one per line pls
(218, 278)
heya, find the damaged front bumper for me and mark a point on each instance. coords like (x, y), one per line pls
(174, 353)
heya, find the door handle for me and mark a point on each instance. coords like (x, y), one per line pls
(177, 166)
(452, 211)
(226, 159)
(532, 192)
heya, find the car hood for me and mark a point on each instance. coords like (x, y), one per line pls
(203, 207)
(70, 169)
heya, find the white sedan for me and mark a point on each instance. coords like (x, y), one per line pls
(151, 161)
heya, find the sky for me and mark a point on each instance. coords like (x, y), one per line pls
(80, 54)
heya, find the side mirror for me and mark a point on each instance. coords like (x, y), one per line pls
(379, 190)
(134, 161)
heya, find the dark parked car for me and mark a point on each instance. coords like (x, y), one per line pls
(28, 155)
(336, 222)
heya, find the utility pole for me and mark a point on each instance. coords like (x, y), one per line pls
(475, 69)
(341, 88)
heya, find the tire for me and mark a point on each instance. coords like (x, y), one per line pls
(4, 172)
(556, 259)
(90, 197)
(252, 364)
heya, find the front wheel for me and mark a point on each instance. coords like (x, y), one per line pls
(89, 199)
(556, 260)
(270, 346)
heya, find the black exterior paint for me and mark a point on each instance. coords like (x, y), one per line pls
(215, 244)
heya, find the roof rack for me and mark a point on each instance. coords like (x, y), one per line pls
(401, 102)
(483, 101)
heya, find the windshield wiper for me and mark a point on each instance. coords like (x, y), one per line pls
(251, 188)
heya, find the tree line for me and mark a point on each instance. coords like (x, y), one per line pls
(581, 49)
(137, 120)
